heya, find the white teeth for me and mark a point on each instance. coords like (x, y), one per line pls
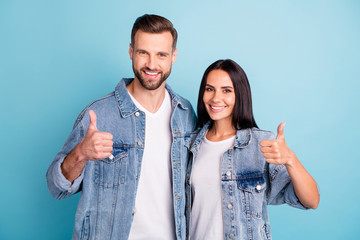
(151, 73)
(216, 108)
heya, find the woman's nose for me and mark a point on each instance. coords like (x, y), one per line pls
(216, 97)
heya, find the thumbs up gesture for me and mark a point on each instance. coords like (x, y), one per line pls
(276, 151)
(96, 145)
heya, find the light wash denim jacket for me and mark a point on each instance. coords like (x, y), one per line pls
(248, 185)
(108, 187)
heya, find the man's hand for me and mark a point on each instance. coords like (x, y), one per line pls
(276, 151)
(95, 145)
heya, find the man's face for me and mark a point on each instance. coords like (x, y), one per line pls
(152, 57)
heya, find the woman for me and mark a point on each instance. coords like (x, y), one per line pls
(236, 169)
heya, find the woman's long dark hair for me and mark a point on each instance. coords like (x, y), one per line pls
(243, 115)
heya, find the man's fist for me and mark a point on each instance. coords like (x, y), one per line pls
(95, 145)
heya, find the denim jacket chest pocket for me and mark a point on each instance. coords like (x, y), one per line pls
(110, 173)
(252, 188)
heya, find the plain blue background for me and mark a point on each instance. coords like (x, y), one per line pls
(301, 57)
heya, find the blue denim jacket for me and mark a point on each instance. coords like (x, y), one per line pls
(248, 185)
(108, 187)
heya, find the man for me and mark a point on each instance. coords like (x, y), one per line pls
(126, 152)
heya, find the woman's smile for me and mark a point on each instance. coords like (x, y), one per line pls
(217, 108)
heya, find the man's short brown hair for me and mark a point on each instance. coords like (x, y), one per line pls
(153, 24)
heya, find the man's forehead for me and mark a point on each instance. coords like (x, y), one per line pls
(144, 38)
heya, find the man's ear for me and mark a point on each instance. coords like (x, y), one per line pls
(131, 50)
(174, 56)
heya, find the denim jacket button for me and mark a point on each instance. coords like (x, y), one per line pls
(231, 235)
(137, 114)
(228, 173)
(139, 143)
(258, 187)
(229, 206)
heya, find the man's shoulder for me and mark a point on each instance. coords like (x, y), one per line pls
(108, 98)
(105, 103)
(111, 99)
(184, 103)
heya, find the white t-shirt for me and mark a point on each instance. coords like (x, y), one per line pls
(206, 221)
(154, 211)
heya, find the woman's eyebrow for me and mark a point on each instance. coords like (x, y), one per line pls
(209, 85)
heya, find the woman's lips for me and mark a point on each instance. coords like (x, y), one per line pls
(217, 108)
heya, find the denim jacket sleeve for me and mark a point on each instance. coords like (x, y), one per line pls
(281, 188)
(58, 185)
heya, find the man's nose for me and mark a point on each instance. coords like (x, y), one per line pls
(151, 62)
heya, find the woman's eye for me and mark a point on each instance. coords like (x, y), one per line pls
(227, 91)
(208, 89)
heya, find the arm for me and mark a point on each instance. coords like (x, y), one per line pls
(304, 185)
(277, 152)
(64, 175)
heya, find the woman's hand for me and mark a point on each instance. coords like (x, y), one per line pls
(276, 151)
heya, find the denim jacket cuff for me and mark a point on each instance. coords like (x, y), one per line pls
(291, 198)
(63, 184)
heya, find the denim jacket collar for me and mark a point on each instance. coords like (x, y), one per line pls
(242, 139)
(126, 105)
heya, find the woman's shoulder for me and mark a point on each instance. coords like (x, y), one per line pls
(262, 134)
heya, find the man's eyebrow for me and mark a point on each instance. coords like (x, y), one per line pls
(164, 53)
(140, 50)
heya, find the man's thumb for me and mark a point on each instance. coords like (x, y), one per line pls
(92, 124)
(280, 131)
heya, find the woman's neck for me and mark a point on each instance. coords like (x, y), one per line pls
(221, 130)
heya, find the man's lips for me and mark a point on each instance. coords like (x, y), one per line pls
(151, 74)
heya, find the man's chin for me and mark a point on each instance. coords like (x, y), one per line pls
(151, 84)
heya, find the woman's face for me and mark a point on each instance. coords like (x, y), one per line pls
(219, 96)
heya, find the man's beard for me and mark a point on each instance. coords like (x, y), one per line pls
(148, 84)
